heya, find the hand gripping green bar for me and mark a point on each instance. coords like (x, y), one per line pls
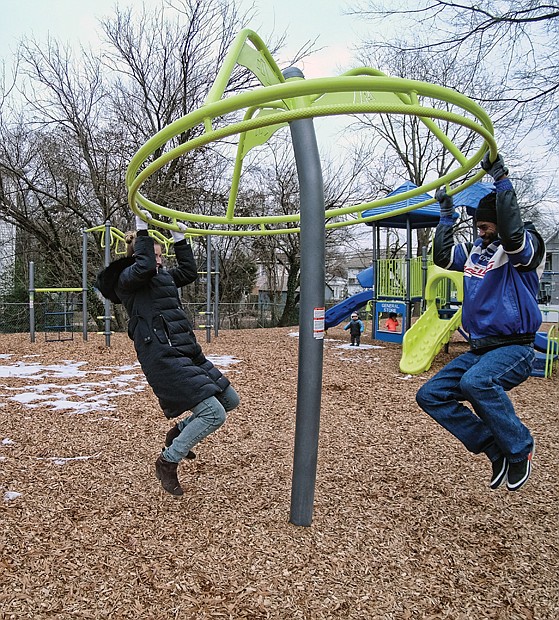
(118, 240)
(268, 108)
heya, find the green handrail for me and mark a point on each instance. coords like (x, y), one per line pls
(118, 237)
(552, 349)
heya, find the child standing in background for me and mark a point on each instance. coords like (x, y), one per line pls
(356, 328)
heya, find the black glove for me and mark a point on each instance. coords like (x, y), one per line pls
(496, 169)
(445, 201)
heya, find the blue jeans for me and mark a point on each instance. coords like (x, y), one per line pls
(206, 418)
(482, 380)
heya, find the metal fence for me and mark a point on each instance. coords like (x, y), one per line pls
(14, 317)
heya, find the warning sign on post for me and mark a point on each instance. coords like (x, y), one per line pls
(318, 326)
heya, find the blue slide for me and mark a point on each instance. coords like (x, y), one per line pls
(543, 365)
(336, 314)
(540, 344)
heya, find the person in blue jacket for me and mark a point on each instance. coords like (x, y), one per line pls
(356, 328)
(500, 312)
(178, 372)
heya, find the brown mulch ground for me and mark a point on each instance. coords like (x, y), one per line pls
(404, 525)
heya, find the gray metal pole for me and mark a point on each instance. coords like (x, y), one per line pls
(107, 301)
(424, 277)
(216, 294)
(408, 272)
(84, 285)
(311, 316)
(208, 288)
(32, 300)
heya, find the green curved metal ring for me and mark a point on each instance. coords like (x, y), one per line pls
(297, 99)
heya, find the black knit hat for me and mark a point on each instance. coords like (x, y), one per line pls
(487, 209)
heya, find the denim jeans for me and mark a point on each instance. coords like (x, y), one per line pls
(493, 426)
(206, 418)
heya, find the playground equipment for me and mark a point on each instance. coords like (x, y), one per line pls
(61, 319)
(546, 347)
(117, 239)
(392, 285)
(399, 283)
(290, 98)
(287, 98)
(552, 350)
(114, 238)
(436, 325)
(60, 304)
(211, 317)
(58, 313)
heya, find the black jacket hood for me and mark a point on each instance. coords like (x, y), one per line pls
(107, 279)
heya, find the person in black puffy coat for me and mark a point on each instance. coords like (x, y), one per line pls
(171, 358)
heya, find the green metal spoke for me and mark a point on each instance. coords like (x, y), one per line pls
(266, 109)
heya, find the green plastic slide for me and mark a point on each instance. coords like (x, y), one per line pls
(430, 332)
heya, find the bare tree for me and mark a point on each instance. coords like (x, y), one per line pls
(405, 148)
(65, 149)
(515, 42)
(278, 190)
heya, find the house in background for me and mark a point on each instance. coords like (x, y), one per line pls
(272, 287)
(336, 289)
(7, 255)
(355, 265)
(549, 284)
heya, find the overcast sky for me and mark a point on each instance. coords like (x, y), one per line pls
(76, 21)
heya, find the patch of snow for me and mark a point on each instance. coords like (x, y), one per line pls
(62, 460)
(81, 396)
(11, 495)
(223, 361)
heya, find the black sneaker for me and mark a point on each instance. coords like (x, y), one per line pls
(500, 468)
(171, 435)
(519, 473)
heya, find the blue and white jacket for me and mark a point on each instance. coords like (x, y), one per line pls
(501, 281)
(356, 327)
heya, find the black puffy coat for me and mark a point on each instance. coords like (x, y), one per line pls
(165, 344)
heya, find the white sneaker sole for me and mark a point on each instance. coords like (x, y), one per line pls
(524, 479)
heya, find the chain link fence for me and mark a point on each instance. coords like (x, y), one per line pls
(15, 317)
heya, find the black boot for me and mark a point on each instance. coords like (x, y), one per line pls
(167, 473)
(171, 435)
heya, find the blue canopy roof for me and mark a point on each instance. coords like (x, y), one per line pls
(427, 217)
(471, 196)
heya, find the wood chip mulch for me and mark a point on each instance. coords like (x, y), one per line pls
(404, 524)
